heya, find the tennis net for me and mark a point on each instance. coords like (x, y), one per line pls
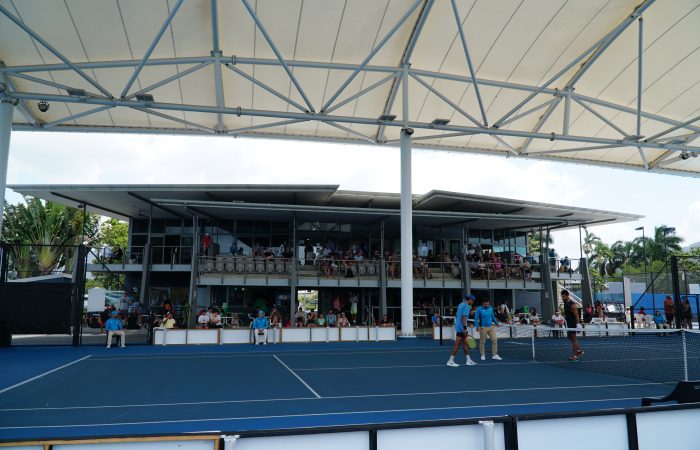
(655, 355)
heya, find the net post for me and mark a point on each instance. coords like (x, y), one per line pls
(440, 329)
(685, 356)
(532, 339)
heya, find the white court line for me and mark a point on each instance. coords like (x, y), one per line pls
(44, 374)
(298, 377)
(340, 397)
(289, 353)
(348, 413)
(418, 366)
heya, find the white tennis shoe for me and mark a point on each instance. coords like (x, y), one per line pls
(497, 358)
(453, 364)
(483, 357)
(470, 362)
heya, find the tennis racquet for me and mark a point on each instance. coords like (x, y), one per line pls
(471, 342)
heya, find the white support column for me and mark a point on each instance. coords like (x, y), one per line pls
(406, 236)
(6, 108)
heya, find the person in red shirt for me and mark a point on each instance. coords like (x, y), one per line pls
(669, 310)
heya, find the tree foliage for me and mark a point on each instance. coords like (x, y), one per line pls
(42, 236)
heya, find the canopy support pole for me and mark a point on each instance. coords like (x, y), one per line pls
(406, 236)
(5, 132)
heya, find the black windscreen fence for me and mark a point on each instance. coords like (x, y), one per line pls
(35, 308)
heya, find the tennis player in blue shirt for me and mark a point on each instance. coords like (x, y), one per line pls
(461, 331)
(114, 327)
(486, 325)
(260, 326)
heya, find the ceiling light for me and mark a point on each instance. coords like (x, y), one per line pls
(144, 98)
(685, 155)
(43, 105)
(633, 137)
(440, 122)
(77, 92)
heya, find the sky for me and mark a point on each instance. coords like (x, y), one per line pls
(81, 158)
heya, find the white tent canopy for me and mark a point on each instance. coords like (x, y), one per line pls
(328, 69)
(602, 82)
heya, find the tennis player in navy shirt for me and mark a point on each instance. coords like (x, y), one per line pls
(461, 331)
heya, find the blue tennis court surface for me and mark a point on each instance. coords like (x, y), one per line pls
(77, 392)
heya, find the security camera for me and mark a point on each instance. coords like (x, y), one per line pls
(408, 131)
(43, 106)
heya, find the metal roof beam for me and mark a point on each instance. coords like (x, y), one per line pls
(528, 112)
(150, 48)
(463, 38)
(75, 116)
(266, 87)
(175, 119)
(432, 136)
(177, 76)
(47, 83)
(277, 53)
(597, 49)
(540, 123)
(674, 128)
(22, 105)
(55, 52)
(573, 150)
(374, 51)
(266, 125)
(350, 130)
(361, 93)
(353, 120)
(601, 117)
(455, 106)
(406, 59)
(216, 53)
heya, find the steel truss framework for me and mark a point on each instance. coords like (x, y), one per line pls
(546, 97)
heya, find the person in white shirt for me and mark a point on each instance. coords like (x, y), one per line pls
(169, 322)
(202, 319)
(558, 321)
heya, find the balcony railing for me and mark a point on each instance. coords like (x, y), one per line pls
(223, 264)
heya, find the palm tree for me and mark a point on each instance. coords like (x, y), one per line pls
(43, 234)
(665, 243)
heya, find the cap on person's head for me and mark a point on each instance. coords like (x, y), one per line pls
(564, 292)
(114, 313)
(261, 312)
(469, 297)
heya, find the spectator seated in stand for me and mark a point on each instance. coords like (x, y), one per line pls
(214, 319)
(502, 314)
(235, 321)
(385, 322)
(299, 318)
(534, 318)
(331, 318)
(114, 327)
(659, 320)
(321, 321)
(203, 319)
(168, 321)
(343, 321)
(436, 319)
(260, 327)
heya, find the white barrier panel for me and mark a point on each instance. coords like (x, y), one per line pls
(334, 334)
(448, 333)
(319, 334)
(455, 437)
(571, 433)
(382, 334)
(348, 334)
(166, 445)
(677, 430)
(296, 334)
(235, 336)
(24, 447)
(337, 441)
(203, 336)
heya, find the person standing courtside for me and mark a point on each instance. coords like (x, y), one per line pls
(572, 321)
(486, 325)
(461, 331)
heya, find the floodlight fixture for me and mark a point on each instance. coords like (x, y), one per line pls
(77, 92)
(440, 122)
(639, 229)
(145, 98)
(43, 105)
(387, 117)
(685, 155)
